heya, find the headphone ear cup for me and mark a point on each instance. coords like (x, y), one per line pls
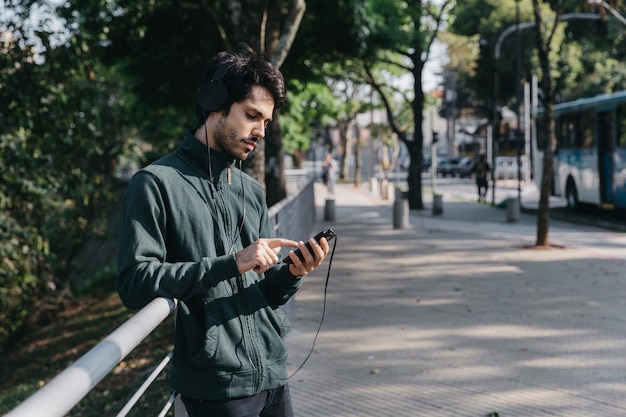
(212, 95)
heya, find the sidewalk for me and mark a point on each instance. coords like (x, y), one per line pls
(453, 316)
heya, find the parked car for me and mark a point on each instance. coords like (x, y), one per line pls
(464, 168)
(506, 168)
(425, 164)
(446, 166)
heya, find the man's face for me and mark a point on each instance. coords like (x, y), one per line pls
(239, 132)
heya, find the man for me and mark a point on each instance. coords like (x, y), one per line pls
(329, 173)
(480, 169)
(197, 230)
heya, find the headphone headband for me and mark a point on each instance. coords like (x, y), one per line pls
(213, 94)
(218, 75)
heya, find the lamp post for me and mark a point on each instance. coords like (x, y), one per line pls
(518, 79)
(608, 7)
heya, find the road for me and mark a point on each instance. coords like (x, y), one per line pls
(465, 189)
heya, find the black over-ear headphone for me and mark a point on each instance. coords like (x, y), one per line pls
(212, 95)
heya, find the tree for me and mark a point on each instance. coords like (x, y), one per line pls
(546, 42)
(543, 44)
(269, 27)
(402, 36)
(60, 133)
(347, 83)
(161, 48)
(309, 112)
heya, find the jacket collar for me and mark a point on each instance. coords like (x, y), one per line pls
(196, 151)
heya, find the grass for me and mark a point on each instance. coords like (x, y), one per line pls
(29, 363)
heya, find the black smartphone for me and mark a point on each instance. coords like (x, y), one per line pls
(329, 234)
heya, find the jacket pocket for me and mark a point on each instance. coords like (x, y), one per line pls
(210, 332)
(280, 322)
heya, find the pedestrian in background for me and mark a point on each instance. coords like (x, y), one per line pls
(481, 170)
(329, 173)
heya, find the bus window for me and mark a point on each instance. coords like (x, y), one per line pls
(576, 131)
(587, 138)
(542, 140)
(567, 131)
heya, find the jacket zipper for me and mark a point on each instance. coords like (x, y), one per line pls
(249, 338)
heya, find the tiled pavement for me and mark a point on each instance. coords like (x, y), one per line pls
(456, 316)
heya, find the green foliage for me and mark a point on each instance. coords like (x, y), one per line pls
(323, 37)
(22, 275)
(584, 63)
(60, 133)
(309, 107)
(160, 49)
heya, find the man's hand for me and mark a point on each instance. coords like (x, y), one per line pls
(311, 260)
(262, 254)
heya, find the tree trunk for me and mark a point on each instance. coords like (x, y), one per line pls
(346, 144)
(357, 156)
(276, 189)
(542, 42)
(414, 178)
(269, 27)
(415, 146)
(543, 213)
(297, 159)
(278, 32)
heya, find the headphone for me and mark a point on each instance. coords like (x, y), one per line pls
(213, 94)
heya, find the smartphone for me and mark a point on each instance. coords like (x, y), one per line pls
(329, 234)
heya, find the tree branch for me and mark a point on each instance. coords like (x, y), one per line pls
(291, 26)
(557, 20)
(438, 19)
(207, 8)
(390, 117)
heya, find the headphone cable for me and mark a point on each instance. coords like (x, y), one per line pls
(319, 327)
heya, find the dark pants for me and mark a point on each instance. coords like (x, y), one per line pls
(272, 403)
(483, 185)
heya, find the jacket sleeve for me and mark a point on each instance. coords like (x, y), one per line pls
(143, 272)
(279, 284)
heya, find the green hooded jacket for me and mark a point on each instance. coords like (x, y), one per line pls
(178, 238)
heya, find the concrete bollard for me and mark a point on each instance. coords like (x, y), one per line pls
(329, 209)
(384, 189)
(512, 209)
(400, 210)
(375, 186)
(437, 204)
(390, 190)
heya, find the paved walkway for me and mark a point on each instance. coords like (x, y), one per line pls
(455, 316)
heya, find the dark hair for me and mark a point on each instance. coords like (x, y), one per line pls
(247, 70)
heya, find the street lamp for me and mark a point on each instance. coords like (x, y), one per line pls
(609, 8)
(518, 79)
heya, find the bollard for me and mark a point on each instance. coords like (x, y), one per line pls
(329, 209)
(390, 190)
(512, 209)
(400, 210)
(384, 189)
(437, 204)
(374, 186)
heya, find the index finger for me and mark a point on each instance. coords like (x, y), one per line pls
(279, 241)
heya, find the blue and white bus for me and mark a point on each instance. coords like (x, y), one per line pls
(590, 157)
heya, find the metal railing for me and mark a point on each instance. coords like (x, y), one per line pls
(291, 218)
(65, 390)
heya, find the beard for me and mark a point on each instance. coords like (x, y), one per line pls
(228, 140)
